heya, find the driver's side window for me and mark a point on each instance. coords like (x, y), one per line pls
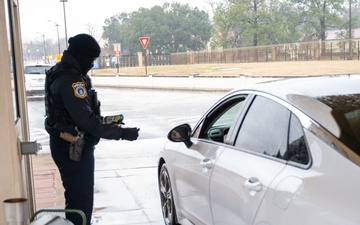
(218, 123)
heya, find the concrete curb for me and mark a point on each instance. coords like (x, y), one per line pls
(190, 82)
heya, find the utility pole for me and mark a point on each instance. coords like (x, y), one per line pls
(66, 40)
(57, 29)
(44, 43)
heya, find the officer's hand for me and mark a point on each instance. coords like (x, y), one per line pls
(130, 133)
(69, 137)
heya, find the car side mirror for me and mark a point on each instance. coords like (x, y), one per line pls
(181, 133)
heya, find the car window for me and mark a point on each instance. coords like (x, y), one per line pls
(218, 122)
(228, 116)
(36, 69)
(297, 149)
(353, 117)
(265, 127)
(346, 112)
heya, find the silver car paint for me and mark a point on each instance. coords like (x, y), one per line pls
(328, 193)
(325, 193)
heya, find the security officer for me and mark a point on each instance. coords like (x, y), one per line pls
(75, 125)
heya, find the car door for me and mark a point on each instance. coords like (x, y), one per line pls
(196, 163)
(318, 186)
(244, 170)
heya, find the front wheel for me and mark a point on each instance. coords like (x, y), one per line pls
(166, 197)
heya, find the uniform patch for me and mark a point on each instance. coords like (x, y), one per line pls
(79, 89)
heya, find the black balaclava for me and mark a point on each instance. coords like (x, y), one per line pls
(85, 49)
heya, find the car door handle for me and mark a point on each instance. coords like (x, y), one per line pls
(206, 163)
(253, 184)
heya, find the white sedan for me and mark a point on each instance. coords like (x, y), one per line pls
(35, 78)
(278, 153)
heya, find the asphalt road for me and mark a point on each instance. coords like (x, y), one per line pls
(155, 112)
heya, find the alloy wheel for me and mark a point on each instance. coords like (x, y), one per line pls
(167, 204)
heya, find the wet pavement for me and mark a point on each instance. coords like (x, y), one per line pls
(126, 189)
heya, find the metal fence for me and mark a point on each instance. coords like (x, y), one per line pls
(305, 51)
(308, 51)
(114, 61)
(158, 60)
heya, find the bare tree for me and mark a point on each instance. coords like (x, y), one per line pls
(93, 31)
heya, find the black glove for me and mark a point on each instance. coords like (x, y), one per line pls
(130, 134)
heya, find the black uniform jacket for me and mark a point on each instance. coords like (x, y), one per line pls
(71, 104)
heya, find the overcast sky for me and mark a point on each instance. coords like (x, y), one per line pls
(35, 14)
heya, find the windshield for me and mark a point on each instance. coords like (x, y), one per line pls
(36, 69)
(346, 112)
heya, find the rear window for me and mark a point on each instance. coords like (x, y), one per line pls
(346, 112)
(36, 69)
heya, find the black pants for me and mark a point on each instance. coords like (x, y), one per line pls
(77, 178)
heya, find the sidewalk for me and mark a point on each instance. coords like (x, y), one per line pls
(190, 82)
(126, 183)
(126, 189)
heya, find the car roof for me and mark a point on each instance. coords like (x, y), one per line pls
(304, 92)
(311, 86)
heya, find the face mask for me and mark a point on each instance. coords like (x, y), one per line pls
(86, 64)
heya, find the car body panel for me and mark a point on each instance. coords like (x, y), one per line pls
(243, 186)
(328, 193)
(238, 185)
(193, 171)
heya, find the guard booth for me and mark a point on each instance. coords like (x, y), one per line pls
(16, 191)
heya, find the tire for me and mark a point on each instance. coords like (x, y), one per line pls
(166, 197)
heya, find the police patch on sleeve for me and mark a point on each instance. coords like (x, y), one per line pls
(79, 89)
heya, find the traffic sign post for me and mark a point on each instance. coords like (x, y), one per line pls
(144, 42)
(117, 53)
